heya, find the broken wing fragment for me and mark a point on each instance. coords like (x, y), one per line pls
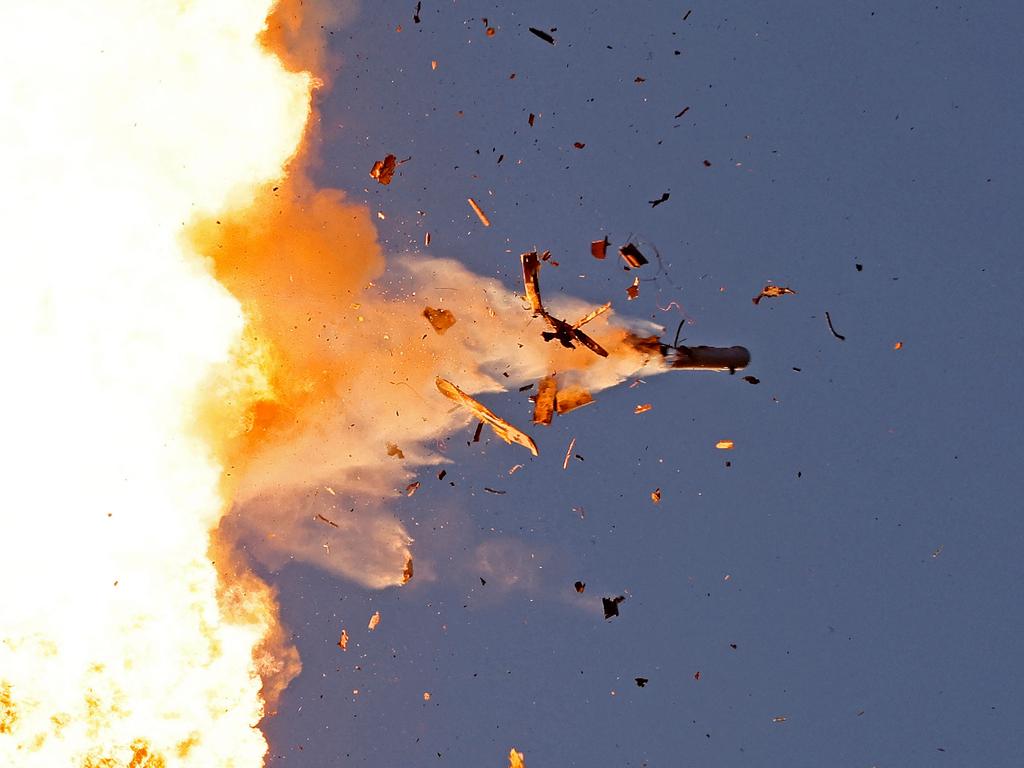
(501, 428)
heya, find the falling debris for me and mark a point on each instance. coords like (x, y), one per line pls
(495, 491)
(515, 759)
(374, 621)
(406, 573)
(571, 398)
(611, 605)
(426, 239)
(641, 681)
(416, 15)
(682, 112)
(411, 488)
(544, 405)
(632, 255)
(579, 144)
(426, 695)
(725, 445)
(543, 35)
(561, 330)
(638, 79)
(772, 292)
(780, 719)
(477, 431)
(323, 519)
(898, 345)
(479, 212)
(568, 453)
(343, 640)
(530, 119)
(835, 333)
(752, 379)
(599, 248)
(633, 291)
(394, 450)
(384, 170)
(656, 495)
(642, 408)
(580, 587)
(501, 428)
(441, 319)
(659, 201)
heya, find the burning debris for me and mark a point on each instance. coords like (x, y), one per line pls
(343, 640)
(501, 428)
(479, 212)
(383, 170)
(440, 319)
(549, 400)
(374, 621)
(406, 573)
(632, 256)
(599, 248)
(633, 291)
(772, 292)
(561, 330)
(515, 759)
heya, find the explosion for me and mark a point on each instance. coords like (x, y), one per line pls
(206, 348)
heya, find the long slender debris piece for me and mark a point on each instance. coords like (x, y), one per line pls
(479, 212)
(501, 428)
(531, 281)
(692, 358)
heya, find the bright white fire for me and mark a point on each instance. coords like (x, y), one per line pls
(124, 120)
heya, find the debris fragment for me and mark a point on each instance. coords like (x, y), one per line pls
(426, 695)
(512, 470)
(725, 445)
(406, 572)
(543, 35)
(682, 112)
(416, 14)
(772, 292)
(530, 119)
(898, 345)
(479, 212)
(611, 605)
(477, 431)
(656, 495)
(544, 405)
(411, 488)
(687, 15)
(599, 248)
(374, 621)
(633, 291)
(568, 453)
(642, 408)
(495, 491)
(441, 474)
(426, 239)
(780, 719)
(632, 255)
(639, 79)
(580, 586)
(752, 379)
(515, 759)
(501, 428)
(394, 450)
(579, 144)
(384, 170)
(343, 640)
(561, 330)
(835, 333)
(323, 519)
(659, 201)
(571, 398)
(641, 681)
(440, 319)
(696, 675)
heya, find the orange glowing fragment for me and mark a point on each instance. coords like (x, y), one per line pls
(779, 719)
(656, 495)
(411, 488)
(544, 405)
(772, 292)
(426, 695)
(633, 291)
(343, 640)
(501, 428)
(643, 408)
(599, 248)
(384, 170)
(479, 212)
(374, 621)
(725, 445)
(394, 450)
(571, 398)
(441, 319)
(406, 572)
(433, 64)
(898, 345)
(515, 759)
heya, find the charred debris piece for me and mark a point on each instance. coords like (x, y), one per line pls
(599, 248)
(611, 605)
(384, 170)
(502, 428)
(550, 400)
(566, 334)
(440, 319)
(632, 256)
